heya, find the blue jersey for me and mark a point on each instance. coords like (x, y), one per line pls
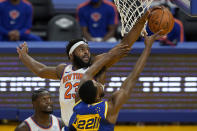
(98, 19)
(15, 17)
(90, 117)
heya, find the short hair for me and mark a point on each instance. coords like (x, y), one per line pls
(71, 43)
(88, 92)
(37, 93)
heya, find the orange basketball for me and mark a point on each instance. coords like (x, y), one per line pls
(161, 19)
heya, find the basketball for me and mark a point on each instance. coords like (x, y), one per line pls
(161, 19)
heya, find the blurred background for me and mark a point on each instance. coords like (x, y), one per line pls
(165, 97)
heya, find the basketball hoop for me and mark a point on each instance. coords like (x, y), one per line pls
(130, 11)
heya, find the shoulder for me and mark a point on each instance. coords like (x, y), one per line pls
(22, 127)
(2, 3)
(83, 5)
(27, 4)
(109, 4)
(178, 22)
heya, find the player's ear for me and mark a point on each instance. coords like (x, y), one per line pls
(34, 104)
(98, 96)
(71, 57)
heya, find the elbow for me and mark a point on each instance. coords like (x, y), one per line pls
(40, 74)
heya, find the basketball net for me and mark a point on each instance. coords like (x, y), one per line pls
(130, 11)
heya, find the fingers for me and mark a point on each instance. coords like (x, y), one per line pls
(22, 47)
(144, 33)
(157, 35)
(18, 50)
(25, 44)
(124, 46)
(147, 14)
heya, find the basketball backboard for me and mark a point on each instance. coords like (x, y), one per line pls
(189, 6)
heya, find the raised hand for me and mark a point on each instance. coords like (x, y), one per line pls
(22, 49)
(149, 40)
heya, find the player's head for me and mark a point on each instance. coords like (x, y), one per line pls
(78, 52)
(91, 91)
(41, 100)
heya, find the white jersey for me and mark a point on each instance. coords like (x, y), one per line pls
(67, 91)
(34, 126)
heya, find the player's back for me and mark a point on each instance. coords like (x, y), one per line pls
(90, 117)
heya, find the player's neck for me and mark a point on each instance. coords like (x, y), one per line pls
(15, 2)
(75, 67)
(98, 100)
(97, 5)
(42, 119)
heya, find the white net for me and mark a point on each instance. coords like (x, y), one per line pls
(130, 11)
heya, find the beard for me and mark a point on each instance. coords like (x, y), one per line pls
(47, 112)
(79, 63)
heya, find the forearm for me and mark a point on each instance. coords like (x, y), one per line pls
(120, 97)
(138, 68)
(32, 64)
(141, 63)
(135, 32)
(130, 38)
(98, 65)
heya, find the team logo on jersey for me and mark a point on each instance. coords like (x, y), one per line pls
(73, 76)
(96, 16)
(14, 14)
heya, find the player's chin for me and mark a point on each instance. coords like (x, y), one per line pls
(48, 111)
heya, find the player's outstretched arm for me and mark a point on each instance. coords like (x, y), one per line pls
(130, 38)
(120, 97)
(36, 67)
